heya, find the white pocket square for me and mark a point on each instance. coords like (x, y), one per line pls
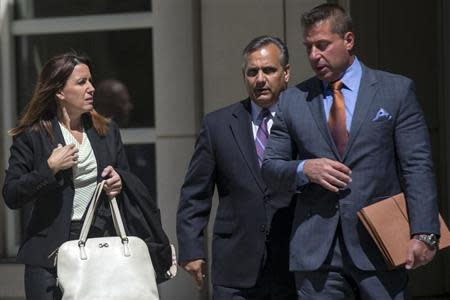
(382, 115)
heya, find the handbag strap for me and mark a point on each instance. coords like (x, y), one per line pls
(90, 213)
(117, 219)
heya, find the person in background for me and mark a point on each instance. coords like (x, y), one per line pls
(61, 148)
(252, 224)
(112, 100)
(342, 140)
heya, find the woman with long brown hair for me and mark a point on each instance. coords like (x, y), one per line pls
(61, 149)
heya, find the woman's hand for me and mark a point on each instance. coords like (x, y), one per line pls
(113, 182)
(62, 158)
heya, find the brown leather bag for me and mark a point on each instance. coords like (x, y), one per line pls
(387, 222)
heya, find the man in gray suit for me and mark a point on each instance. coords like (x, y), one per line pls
(344, 147)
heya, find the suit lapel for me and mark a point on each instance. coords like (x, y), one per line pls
(241, 127)
(366, 94)
(315, 103)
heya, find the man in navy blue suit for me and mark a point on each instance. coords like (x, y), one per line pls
(252, 225)
(342, 140)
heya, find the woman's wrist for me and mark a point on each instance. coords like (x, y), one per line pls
(52, 167)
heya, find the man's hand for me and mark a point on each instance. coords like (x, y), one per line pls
(330, 174)
(418, 254)
(195, 268)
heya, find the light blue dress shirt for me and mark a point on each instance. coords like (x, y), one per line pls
(351, 80)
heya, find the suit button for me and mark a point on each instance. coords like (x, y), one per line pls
(262, 228)
(337, 205)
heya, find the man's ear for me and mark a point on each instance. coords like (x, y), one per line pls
(287, 73)
(349, 39)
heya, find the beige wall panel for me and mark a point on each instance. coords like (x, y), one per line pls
(227, 27)
(175, 61)
(300, 68)
(11, 281)
(173, 158)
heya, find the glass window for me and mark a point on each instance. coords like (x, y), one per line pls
(122, 70)
(58, 8)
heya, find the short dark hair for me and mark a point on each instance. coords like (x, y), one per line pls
(341, 22)
(264, 40)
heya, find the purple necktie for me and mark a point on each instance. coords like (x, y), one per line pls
(262, 135)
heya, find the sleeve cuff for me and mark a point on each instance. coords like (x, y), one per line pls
(301, 178)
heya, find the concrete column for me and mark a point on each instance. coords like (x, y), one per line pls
(227, 27)
(177, 99)
(300, 67)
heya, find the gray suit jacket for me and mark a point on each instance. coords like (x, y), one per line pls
(388, 152)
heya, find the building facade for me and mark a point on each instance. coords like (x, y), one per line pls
(180, 59)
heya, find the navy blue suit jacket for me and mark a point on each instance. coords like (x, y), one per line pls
(225, 157)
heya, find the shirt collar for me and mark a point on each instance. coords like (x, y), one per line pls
(351, 77)
(256, 109)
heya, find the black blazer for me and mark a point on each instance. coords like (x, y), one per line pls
(225, 157)
(30, 180)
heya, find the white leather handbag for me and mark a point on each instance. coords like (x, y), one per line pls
(117, 267)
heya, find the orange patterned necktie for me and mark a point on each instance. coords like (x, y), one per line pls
(336, 120)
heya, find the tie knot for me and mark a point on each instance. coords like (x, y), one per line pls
(264, 114)
(336, 86)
